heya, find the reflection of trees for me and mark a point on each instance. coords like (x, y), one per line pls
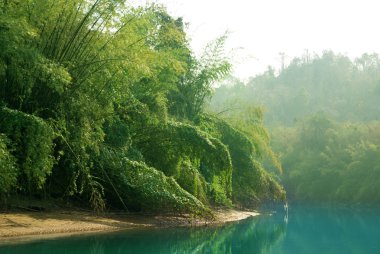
(255, 235)
(311, 230)
(260, 235)
(97, 248)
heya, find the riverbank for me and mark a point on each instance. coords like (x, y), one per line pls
(31, 225)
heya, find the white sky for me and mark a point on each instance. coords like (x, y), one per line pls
(261, 29)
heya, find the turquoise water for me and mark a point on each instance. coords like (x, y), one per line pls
(307, 230)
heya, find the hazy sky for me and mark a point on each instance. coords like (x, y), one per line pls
(260, 29)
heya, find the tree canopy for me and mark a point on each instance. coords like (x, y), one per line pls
(104, 103)
(323, 116)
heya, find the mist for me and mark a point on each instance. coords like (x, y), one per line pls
(323, 115)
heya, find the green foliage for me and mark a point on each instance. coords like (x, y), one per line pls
(157, 192)
(32, 140)
(249, 119)
(330, 162)
(192, 181)
(195, 88)
(323, 112)
(116, 133)
(170, 145)
(251, 184)
(344, 89)
(17, 59)
(8, 169)
(136, 186)
(101, 101)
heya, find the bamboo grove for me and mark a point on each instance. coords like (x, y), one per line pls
(103, 102)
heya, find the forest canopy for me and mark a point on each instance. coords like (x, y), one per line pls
(104, 103)
(324, 119)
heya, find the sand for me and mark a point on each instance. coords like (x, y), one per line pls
(31, 225)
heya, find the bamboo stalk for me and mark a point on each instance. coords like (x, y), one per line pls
(58, 41)
(42, 29)
(49, 39)
(78, 29)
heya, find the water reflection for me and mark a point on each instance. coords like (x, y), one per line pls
(305, 230)
(255, 235)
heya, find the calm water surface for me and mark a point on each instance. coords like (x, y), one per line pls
(306, 230)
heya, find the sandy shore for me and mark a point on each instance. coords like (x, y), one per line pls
(27, 226)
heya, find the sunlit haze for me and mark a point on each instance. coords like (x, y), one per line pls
(260, 30)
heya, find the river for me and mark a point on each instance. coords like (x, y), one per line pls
(307, 229)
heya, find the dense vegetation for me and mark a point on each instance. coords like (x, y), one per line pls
(103, 103)
(323, 112)
(330, 161)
